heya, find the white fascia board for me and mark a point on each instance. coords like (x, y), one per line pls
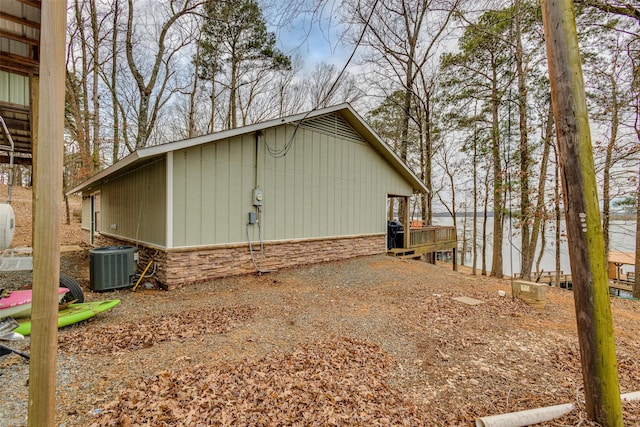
(230, 133)
(130, 159)
(344, 109)
(370, 135)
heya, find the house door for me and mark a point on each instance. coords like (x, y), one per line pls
(397, 221)
(95, 216)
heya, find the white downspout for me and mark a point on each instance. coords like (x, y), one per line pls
(538, 415)
(525, 418)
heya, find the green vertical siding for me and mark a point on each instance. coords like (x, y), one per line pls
(212, 192)
(324, 186)
(136, 204)
(86, 212)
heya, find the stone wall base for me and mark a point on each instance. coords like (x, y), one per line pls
(180, 267)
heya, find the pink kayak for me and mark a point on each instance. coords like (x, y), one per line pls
(18, 303)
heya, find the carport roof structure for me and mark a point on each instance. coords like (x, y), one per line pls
(19, 64)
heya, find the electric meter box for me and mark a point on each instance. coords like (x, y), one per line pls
(258, 197)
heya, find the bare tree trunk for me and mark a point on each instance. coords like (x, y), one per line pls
(66, 209)
(212, 119)
(484, 225)
(636, 285)
(191, 120)
(498, 213)
(114, 68)
(558, 217)
(152, 84)
(95, 59)
(543, 245)
(463, 253)
(525, 158)
(584, 229)
(17, 175)
(79, 97)
(232, 118)
(428, 158)
(65, 183)
(608, 163)
(539, 213)
(474, 239)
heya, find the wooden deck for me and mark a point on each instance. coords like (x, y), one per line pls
(549, 277)
(615, 287)
(427, 240)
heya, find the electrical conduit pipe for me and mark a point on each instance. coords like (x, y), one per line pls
(536, 416)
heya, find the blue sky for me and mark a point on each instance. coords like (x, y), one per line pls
(315, 39)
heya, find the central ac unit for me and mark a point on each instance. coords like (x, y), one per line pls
(112, 267)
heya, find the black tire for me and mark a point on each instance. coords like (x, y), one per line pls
(75, 291)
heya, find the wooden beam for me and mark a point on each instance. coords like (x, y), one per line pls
(14, 108)
(18, 63)
(25, 161)
(18, 20)
(16, 37)
(33, 3)
(584, 229)
(22, 146)
(21, 59)
(47, 218)
(16, 125)
(17, 69)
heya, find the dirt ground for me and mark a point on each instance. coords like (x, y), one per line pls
(367, 341)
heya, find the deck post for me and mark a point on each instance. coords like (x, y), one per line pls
(46, 221)
(407, 222)
(455, 259)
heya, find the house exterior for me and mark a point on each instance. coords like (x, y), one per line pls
(297, 190)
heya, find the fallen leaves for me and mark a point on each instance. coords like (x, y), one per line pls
(333, 382)
(218, 360)
(115, 338)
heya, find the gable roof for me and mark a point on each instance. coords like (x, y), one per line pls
(344, 110)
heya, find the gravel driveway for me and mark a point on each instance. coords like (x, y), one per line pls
(368, 341)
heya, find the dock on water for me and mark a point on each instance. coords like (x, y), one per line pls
(560, 279)
(617, 284)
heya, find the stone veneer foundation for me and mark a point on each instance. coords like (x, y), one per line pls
(184, 266)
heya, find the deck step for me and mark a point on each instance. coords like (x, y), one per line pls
(404, 253)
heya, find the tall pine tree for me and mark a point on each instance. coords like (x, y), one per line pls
(237, 51)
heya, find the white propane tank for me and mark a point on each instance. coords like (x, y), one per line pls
(7, 225)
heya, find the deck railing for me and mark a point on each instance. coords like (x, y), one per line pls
(431, 235)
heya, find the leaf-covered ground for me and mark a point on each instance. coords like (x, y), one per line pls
(368, 341)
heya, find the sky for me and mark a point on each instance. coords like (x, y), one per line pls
(314, 36)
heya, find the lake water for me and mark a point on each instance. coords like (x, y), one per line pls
(622, 235)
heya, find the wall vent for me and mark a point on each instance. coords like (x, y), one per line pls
(333, 124)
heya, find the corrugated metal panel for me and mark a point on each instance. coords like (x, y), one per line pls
(15, 47)
(14, 88)
(133, 205)
(24, 11)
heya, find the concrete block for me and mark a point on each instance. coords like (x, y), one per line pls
(534, 294)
